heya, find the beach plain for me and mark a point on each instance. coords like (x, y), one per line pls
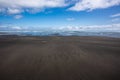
(59, 58)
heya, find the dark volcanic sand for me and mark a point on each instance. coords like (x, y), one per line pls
(59, 58)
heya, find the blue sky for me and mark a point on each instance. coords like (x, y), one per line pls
(37, 14)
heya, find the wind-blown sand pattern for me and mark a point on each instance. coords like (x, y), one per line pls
(59, 58)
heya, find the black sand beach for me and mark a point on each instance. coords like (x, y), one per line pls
(59, 58)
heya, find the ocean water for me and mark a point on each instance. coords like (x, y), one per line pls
(60, 33)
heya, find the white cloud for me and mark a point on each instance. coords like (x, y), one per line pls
(16, 28)
(32, 3)
(82, 5)
(33, 6)
(18, 16)
(92, 28)
(115, 19)
(70, 19)
(9, 27)
(115, 15)
(13, 11)
(2, 10)
(15, 6)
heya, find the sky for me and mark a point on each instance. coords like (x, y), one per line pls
(59, 14)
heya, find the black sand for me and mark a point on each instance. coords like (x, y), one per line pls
(59, 58)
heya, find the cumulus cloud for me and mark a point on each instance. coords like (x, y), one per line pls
(16, 28)
(92, 28)
(10, 27)
(82, 5)
(32, 3)
(13, 11)
(17, 6)
(33, 6)
(18, 16)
